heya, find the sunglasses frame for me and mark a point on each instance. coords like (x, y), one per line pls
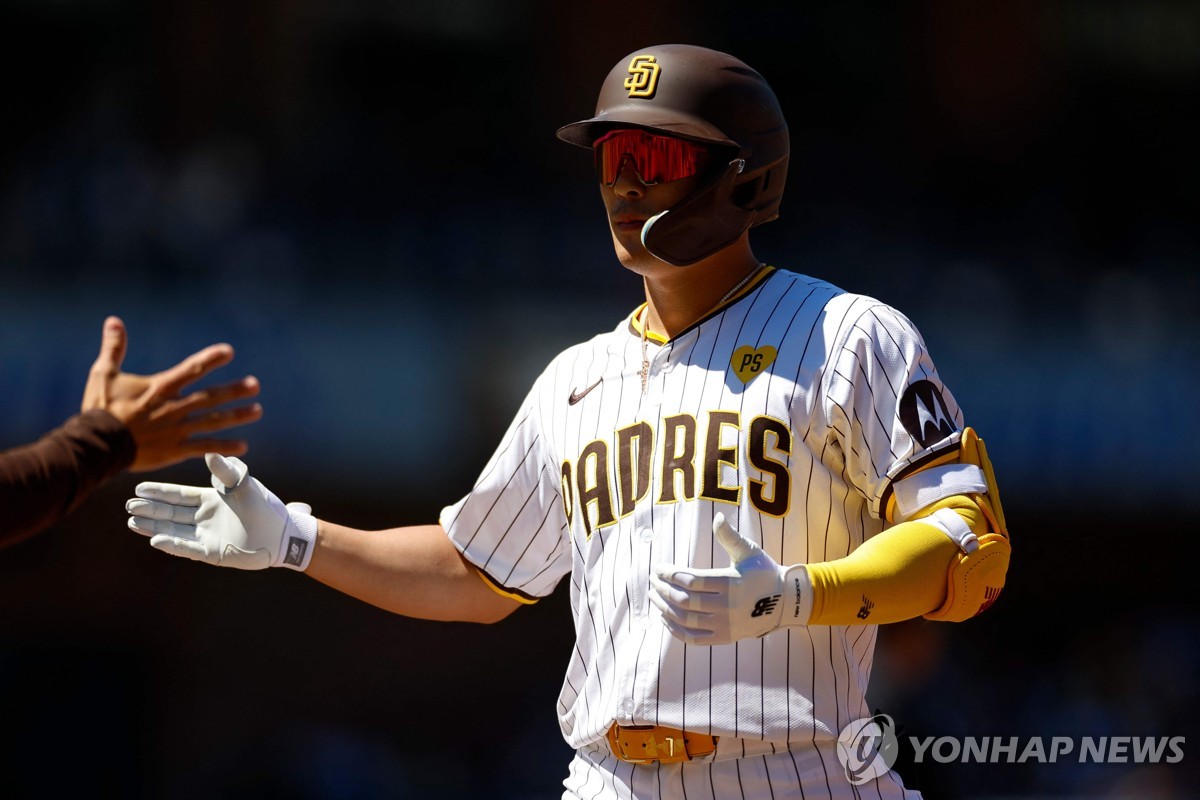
(690, 158)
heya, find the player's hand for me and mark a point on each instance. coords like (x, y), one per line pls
(161, 421)
(720, 606)
(237, 523)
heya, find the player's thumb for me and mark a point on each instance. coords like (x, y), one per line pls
(227, 473)
(113, 343)
(739, 547)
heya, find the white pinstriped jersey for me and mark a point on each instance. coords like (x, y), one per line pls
(783, 408)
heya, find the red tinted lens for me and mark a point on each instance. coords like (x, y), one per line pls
(657, 159)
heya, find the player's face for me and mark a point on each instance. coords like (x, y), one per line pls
(630, 201)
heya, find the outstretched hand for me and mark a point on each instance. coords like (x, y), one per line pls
(237, 523)
(160, 418)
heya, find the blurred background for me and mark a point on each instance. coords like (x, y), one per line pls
(367, 200)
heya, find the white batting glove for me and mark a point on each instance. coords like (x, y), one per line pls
(719, 606)
(238, 523)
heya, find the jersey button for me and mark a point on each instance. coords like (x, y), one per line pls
(647, 535)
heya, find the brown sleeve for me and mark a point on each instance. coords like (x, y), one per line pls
(41, 482)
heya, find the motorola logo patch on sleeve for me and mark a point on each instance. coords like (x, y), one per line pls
(924, 414)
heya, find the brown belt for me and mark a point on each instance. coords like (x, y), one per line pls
(645, 744)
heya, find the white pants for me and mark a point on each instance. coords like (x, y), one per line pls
(803, 772)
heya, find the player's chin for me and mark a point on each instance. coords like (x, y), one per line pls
(631, 253)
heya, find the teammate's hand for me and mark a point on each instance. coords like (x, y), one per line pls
(237, 523)
(160, 418)
(720, 606)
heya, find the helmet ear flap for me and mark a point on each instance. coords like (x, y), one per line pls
(762, 192)
(701, 224)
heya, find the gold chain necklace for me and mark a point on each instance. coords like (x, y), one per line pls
(645, 371)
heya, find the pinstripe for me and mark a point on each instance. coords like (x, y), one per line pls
(574, 776)
(883, 426)
(497, 460)
(498, 497)
(841, 363)
(796, 769)
(662, 631)
(550, 565)
(581, 661)
(710, 371)
(610, 773)
(515, 518)
(737, 684)
(825, 771)
(493, 463)
(529, 544)
(770, 377)
(632, 772)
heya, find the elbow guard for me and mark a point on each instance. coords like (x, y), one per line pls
(977, 572)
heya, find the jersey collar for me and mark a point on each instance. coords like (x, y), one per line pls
(635, 319)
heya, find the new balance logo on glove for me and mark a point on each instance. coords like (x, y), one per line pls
(764, 606)
(296, 549)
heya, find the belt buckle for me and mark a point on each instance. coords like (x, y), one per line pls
(656, 745)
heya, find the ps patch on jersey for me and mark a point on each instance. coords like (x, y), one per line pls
(748, 362)
(924, 414)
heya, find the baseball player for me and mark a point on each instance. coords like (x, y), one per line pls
(738, 482)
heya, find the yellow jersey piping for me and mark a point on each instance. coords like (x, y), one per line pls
(635, 322)
(512, 594)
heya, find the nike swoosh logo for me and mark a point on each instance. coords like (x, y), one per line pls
(576, 395)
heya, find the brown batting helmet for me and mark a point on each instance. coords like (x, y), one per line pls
(710, 97)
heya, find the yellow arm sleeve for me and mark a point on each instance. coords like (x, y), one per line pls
(898, 574)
